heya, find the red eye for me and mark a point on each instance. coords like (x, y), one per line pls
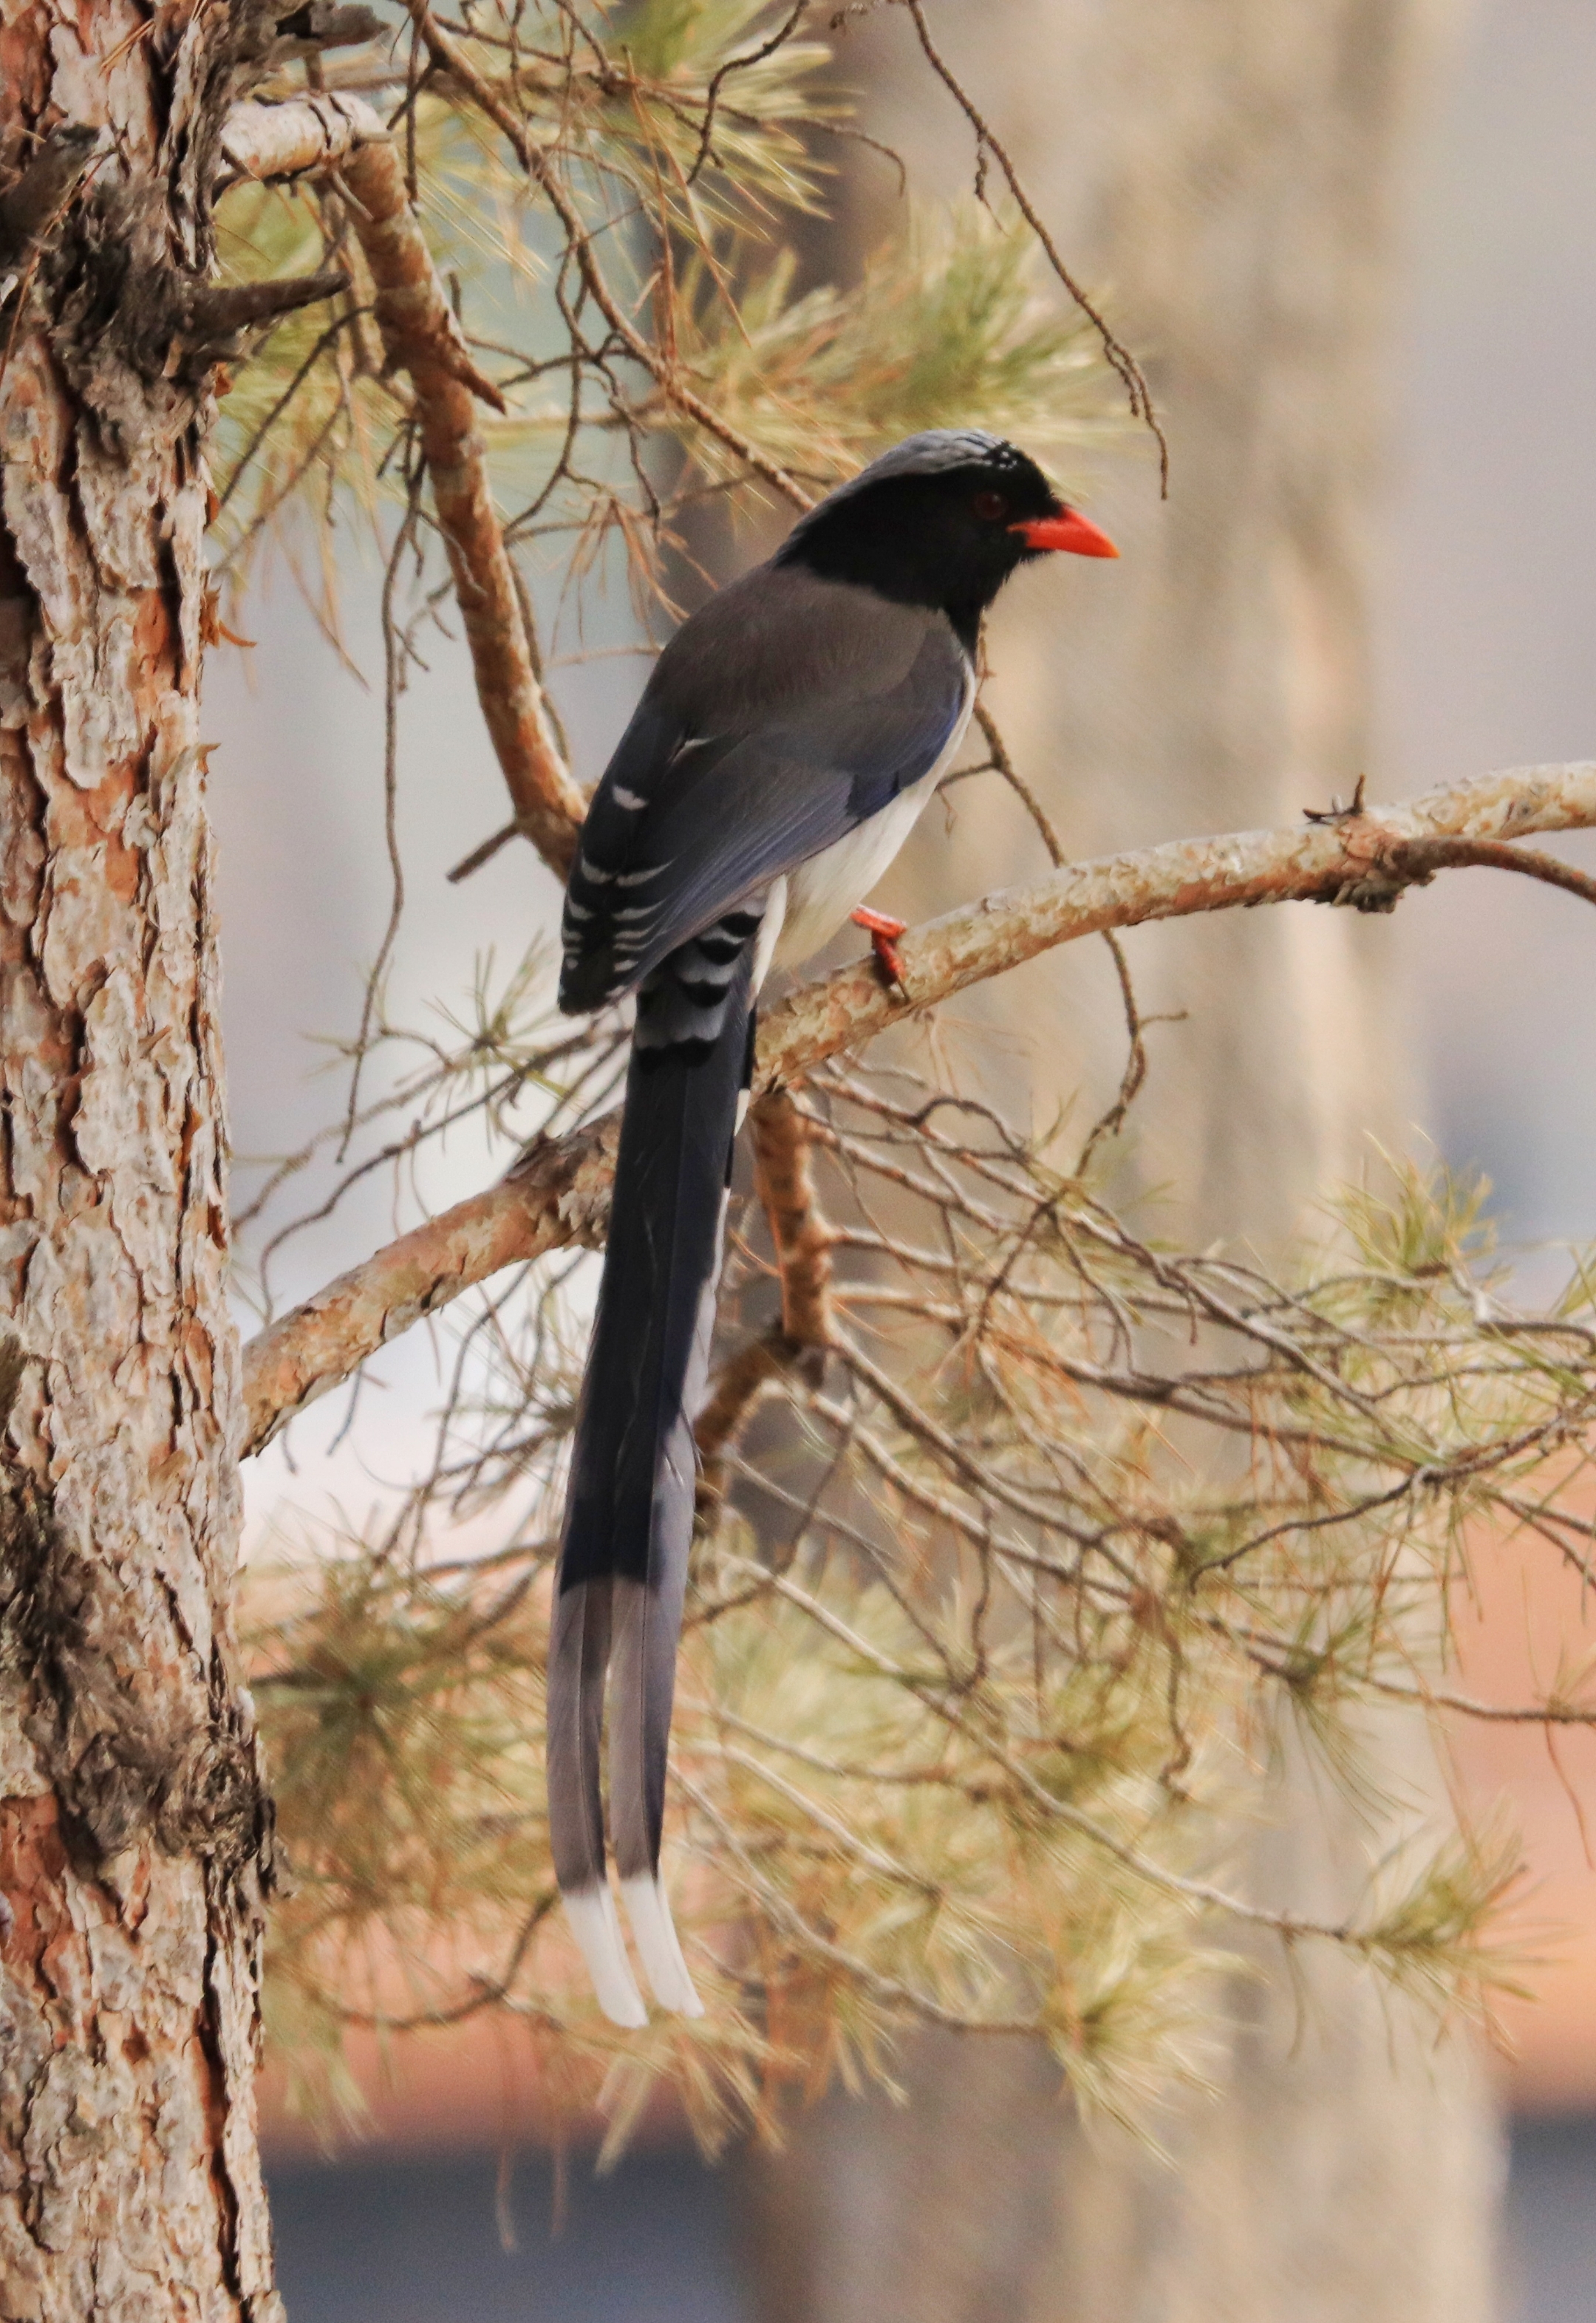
(990, 506)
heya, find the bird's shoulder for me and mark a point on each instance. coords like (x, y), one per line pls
(779, 652)
(783, 640)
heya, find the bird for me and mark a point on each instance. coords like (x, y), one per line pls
(793, 730)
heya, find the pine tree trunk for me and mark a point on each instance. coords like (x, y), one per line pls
(1233, 174)
(136, 1830)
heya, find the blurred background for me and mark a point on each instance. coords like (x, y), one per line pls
(1413, 443)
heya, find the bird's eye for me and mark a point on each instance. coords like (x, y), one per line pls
(990, 506)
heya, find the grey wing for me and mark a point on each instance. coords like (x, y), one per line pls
(781, 734)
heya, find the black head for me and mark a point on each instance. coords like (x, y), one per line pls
(942, 519)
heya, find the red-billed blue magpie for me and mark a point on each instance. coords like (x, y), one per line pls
(791, 734)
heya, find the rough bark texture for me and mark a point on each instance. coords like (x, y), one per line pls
(135, 1837)
(1231, 175)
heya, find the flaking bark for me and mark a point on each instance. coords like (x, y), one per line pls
(136, 1827)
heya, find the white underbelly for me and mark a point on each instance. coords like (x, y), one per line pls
(821, 893)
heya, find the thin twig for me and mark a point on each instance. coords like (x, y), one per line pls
(1003, 765)
(1110, 1123)
(1138, 394)
(778, 39)
(394, 657)
(1419, 856)
(540, 166)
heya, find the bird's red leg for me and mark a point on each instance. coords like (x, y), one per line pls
(883, 933)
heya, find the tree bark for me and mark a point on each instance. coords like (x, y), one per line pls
(1234, 176)
(135, 1828)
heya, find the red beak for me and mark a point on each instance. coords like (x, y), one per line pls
(1070, 530)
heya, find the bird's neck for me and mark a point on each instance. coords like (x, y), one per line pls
(892, 569)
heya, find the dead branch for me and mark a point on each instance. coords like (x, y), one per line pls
(558, 1193)
(1426, 856)
(216, 311)
(319, 25)
(803, 1241)
(802, 1236)
(331, 134)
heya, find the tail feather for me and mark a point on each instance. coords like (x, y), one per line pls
(629, 1515)
(578, 1657)
(579, 1654)
(589, 1913)
(655, 1934)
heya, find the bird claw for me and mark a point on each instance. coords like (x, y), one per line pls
(883, 933)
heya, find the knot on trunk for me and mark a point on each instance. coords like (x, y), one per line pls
(209, 319)
(320, 24)
(125, 315)
(127, 1757)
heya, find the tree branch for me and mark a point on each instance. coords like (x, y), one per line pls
(1422, 857)
(340, 138)
(802, 1236)
(448, 56)
(1131, 377)
(305, 138)
(803, 1244)
(559, 1192)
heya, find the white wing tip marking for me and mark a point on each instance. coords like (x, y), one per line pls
(654, 1933)
(589, 1913)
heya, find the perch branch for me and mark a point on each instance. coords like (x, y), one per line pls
(559, 1192)
(341, 137)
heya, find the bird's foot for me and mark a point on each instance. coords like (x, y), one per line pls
(883, 933)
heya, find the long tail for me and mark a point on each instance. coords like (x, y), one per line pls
(628, 1514)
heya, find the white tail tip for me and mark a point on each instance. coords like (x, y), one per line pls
(654, 1932)
(590, 1913)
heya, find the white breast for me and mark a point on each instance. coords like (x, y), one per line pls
(822, 891)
